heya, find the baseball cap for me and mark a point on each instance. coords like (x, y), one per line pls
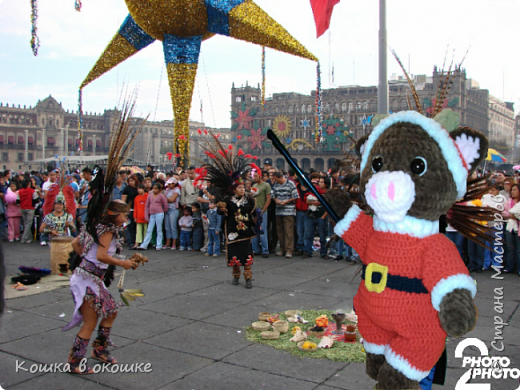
(268, 161)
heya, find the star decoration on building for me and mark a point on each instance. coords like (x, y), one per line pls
(305, 123)
(256, 139)
(244, 119)
(181, 26)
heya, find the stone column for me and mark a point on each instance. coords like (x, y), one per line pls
(94, 145)
(44, 142)
(26, 155)
(66, 146)
(62, 137)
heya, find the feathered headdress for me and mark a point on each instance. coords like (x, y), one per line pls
(226, 169)
(61, 192)
(122, 136)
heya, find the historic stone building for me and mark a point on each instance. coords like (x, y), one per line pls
(33, 133)
(346, 112)
(501, 124)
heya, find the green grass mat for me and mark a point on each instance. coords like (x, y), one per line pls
(340, 351)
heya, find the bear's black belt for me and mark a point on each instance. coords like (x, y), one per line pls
(397, 282)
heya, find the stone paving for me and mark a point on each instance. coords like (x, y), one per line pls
(190, 326)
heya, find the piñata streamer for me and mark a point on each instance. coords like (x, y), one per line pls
(35, 41)
(80, 120)
(77, 5)
(263, 77)
(319, 115)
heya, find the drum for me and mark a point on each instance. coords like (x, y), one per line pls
(60, 250)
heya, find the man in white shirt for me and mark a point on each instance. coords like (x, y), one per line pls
(189, 193)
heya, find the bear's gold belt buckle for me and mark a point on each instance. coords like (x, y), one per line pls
(376, 277)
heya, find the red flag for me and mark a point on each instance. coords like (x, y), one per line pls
(322, 10)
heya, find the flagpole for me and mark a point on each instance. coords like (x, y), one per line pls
(382, 90)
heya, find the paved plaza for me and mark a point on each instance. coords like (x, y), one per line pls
(190, 326)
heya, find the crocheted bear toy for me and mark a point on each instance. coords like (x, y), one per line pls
(415, 288)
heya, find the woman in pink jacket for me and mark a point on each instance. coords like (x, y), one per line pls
(156, 206)
(13, 212)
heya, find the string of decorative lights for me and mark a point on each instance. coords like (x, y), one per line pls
(263, 77)
(35, 41)
(319, 114)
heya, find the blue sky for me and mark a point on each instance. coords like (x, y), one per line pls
(418, 30)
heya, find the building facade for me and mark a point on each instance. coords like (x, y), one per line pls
(501, 124)
(346, 113)
(47, 129)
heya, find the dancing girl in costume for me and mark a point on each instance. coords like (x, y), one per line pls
(92, 298)
(99, 240)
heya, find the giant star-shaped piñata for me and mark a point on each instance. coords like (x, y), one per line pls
(182, 25)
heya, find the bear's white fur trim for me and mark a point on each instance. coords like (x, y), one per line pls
(447, 285)
(410, 226)
(343, 225)
(434, 130)
(403, 366)
(376, 349)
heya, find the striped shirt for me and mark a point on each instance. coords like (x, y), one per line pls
(284, 192)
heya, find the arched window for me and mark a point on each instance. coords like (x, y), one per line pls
(238, 99)
(343, 107)
(395, 105)
(365, 105)
(404, 105)
(309, 109)
(358, 106)
(296, 109)
(337, 107)
(303, 108)
(283, 109)
(350, 106)
(327, 107)
(290, 109)
(373, 106)
(277, 110)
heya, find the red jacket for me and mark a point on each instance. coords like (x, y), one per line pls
(301, 205)
(139, 208)
(309, 193)
(26, 198)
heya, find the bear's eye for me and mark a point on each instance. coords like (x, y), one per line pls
(377, 164)
(419, 166)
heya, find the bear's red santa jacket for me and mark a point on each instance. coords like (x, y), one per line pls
(405, 277)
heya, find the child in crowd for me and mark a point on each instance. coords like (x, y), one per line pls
(215, 221)
(186, 223)
(139, 215)
(198, 230)
(148, 184)
(156, 206)
(13, 212)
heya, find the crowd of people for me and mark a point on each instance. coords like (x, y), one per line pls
(175, 211)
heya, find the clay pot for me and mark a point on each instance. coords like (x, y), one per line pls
(350, 336)
(351, 328)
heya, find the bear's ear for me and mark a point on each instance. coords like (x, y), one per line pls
(360, 145)
(472, 144)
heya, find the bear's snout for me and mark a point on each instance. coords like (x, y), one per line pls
(390, 194)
